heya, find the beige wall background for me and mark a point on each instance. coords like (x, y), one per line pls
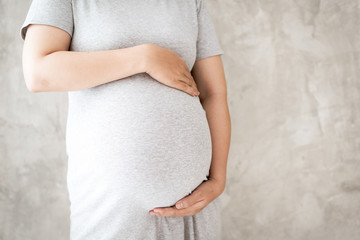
(292, 69)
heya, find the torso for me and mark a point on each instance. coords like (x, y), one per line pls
(135, 136)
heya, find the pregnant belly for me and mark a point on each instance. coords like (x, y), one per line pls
(137, 140)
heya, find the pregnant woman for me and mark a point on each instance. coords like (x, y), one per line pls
(140, 139)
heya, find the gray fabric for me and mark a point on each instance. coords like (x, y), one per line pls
(135, 144)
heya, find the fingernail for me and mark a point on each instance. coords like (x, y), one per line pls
(179, 205)
(156, 210)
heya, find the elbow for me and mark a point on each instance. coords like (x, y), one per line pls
(31, 85)
(34, 84)
(33, 89)
(218, 94)
(34, 75)
(33, 80)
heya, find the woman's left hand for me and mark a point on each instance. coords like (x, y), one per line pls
(199, 198)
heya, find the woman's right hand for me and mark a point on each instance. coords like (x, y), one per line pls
(167, 67)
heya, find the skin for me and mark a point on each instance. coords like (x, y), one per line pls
(49, 66)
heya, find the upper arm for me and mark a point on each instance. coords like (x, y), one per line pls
(45, 39)
(207, 43)
(208, 71)
(48, 27)
(209, 76)
(40, 41)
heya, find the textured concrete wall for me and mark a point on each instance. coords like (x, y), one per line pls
(33, 195)
(292, 69)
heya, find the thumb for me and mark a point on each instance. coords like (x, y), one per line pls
(188, 201)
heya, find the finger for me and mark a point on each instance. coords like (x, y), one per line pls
(190, 79)
(178, 83)
(174, 212)
(182, 85)
(183, 77)
(189, 75)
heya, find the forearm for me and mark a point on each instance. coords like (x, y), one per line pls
(218, 117)
(70, 70)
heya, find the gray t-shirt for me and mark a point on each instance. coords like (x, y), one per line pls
(134, 144)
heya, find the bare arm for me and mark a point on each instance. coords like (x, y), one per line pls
(210, 78)
(49, 66)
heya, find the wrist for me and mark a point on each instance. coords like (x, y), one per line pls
(218, 175)
(220, 183)
(142, 56)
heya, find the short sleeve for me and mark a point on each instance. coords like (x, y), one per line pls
(57, 13)
(207, 42)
